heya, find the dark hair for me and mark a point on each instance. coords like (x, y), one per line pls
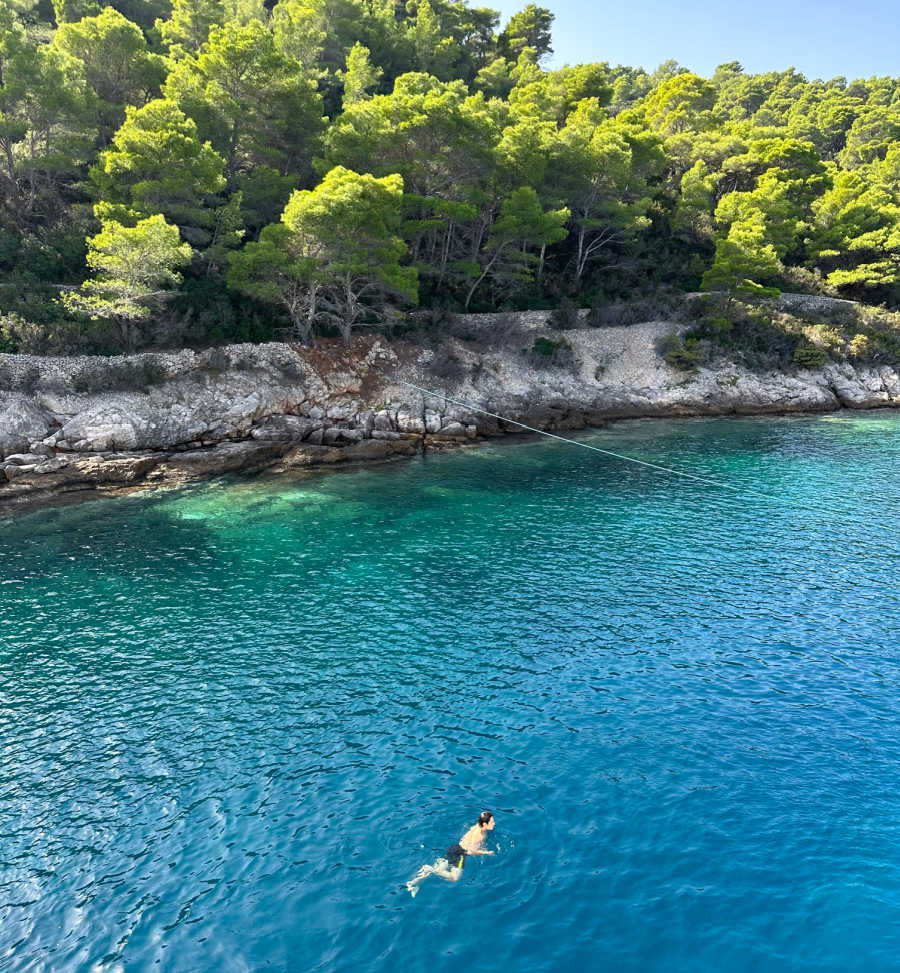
(484, 817)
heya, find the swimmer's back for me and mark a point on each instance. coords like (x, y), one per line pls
(472, 839)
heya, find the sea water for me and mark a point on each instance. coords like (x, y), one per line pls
(236, 719)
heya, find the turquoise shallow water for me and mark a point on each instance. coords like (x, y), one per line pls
(234, 720)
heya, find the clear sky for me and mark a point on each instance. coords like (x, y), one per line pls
(821, 38)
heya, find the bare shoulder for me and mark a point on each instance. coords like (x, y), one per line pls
(472, 839)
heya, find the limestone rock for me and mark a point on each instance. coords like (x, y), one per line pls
(52, 465)
(224, 458)
(268, 408)
(339, 412)
(365, 421)
(113, 469)
(61, 475)
(453, 429)
(14, 471)
(370, 450)
(409, 445)
(409, 423)
(864, 388)
(103, 427)
(22, 422)
(284, 428)
(23, 459)
(17, 466)
(382, 421)
(311, 455)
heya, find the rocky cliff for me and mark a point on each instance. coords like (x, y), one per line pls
(87, 424)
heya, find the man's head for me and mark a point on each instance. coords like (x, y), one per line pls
(486, 820)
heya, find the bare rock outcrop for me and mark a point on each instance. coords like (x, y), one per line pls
(280, 408)
(22, 422)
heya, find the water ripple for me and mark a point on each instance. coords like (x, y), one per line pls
(235, 719)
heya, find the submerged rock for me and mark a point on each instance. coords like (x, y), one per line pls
(366, 451)
(309, 455)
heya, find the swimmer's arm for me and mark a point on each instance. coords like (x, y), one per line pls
(481, 851)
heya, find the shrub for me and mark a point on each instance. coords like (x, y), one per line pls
(544, 346)
(760, 336)
(425, 325)
(825, 337)
(808, 355)
(861, 347)
(750, 289)
(9, 327)
(10, 249)
(716, 326)
(545, 352)
(565, 316)
(17, 334)
(595, 317)
(684, 354)
(799, 280)
(153, 371)
(438, 318)
(203, 311)
(661, 306)
(58, 336)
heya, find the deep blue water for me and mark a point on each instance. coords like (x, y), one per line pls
(235, 719)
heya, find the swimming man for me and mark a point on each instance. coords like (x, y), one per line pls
(451, 867)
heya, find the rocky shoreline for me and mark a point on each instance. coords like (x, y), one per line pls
(79, 427)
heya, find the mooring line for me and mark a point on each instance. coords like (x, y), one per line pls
(816, 507)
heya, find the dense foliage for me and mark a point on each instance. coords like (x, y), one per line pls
(321, 165)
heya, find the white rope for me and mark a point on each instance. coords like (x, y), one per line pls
(817, 507)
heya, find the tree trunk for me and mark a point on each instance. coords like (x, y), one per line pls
(484, 274)
(351, 311)
(303, 322)
(445, 252)
(579, 259)
(128, 333)
(312, 311)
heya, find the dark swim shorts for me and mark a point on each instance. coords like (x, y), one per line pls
(456, 855)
